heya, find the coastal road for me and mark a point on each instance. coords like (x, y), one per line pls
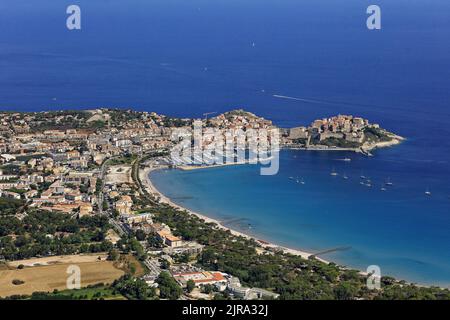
(100, 197)
(142, 190)
(120, 227)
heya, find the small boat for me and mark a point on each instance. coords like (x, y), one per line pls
(344, 159)
(363, 177)
(383, 188)
(333, 173)
(292, 178)
(345, 176)
(428, 192)
(302, 181)
(388, 182)
(368, 185)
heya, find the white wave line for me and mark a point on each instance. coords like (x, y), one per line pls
(298, 99)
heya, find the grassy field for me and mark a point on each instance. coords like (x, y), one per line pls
(49, 277)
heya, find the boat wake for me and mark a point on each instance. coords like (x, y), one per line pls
(298, 99)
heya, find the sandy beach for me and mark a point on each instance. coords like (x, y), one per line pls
(145, 178)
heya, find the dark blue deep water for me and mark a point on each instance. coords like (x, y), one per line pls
(184, 58)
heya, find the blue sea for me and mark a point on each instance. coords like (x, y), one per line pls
(184, 58)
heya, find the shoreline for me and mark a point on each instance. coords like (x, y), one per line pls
(196, 167)
(145, 178)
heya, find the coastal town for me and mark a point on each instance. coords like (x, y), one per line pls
(64, 161)
(86, 174)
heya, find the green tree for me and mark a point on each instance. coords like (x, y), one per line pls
(168, 287)
(190, 285)
(133, 288)
(113, 255)
(345, 291)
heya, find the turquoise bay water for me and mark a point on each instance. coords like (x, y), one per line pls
(401, 229)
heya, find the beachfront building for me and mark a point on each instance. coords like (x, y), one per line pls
(202, 278)
(187, 247)
(239, 292)
(169, 239)
(138, 218)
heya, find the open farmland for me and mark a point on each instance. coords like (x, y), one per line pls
(49, 277)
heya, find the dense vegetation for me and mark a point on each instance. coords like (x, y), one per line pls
(133, 288)
(340, 143)
(10, 169)
(59, 120)
(375, 134)
(123, 116)
(92, 292)
(168, 287)
(126, 159)
(9, 206)
(43, 233)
